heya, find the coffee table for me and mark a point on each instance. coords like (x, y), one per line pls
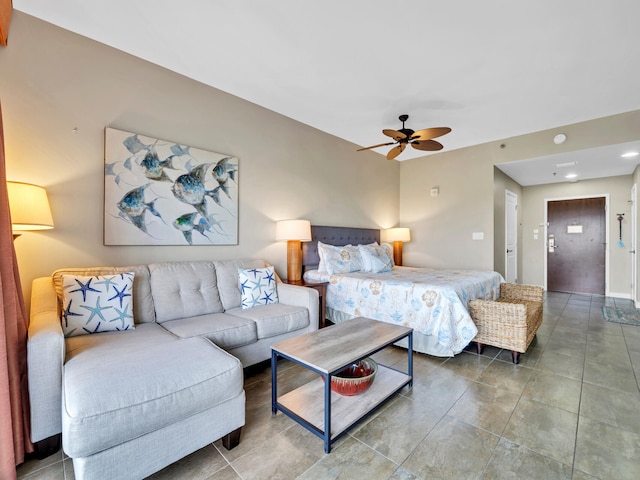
(314, 405)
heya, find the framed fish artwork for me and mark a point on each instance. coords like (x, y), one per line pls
(159, 192)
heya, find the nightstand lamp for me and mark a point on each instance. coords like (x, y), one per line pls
(294, 232)
(397, 236)
(29, 208)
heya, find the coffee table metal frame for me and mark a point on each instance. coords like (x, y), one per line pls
(303, 404)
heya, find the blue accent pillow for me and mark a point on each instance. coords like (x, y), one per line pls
(97, 304)
(377, 259)
(257, 286)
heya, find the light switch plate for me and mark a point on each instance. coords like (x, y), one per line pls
(477, 235)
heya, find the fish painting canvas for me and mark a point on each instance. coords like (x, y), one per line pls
(159, 192)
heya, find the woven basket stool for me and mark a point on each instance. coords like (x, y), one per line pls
(510, 322)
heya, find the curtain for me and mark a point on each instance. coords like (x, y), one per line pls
(14, 397)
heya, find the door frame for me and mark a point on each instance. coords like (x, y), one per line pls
(509, 193)
(634, 244)
(546, 234)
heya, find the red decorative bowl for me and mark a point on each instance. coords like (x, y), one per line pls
(355, 379)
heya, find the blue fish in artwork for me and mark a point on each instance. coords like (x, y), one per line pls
(180, 149)
(189, 188)
(133, 144)
(154, 168)
(222, 172)
(133, 207)
(187, 224)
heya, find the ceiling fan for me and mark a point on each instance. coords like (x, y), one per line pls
(420, 140)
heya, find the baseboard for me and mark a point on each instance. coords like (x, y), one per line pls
(619, 295)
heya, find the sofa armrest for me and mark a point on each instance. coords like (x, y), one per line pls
(301, 297)
(45, 357)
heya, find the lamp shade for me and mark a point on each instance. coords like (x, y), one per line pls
(29, 207)
(293, 230)
(401, 234)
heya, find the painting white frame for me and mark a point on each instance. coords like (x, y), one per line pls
(159, 192)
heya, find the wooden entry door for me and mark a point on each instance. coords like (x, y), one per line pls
(576, 245)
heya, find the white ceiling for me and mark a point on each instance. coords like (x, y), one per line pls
(490, 70)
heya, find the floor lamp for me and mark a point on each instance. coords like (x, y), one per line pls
(294, 232)
(398, 236)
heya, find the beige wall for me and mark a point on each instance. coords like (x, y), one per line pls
(53, 81)
(442, 226)
(619, 191)
(502, 183)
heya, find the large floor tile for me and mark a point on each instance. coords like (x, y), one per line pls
(512, 461)
(554, 390)
(543, 428)
(439, 390)
(607, 452)
(439, 455)
(34, 465)
(200, 465)
(352, 460)
(485, 407)
(617, 377)
(285, 455)
(506, 376)
(399, 428)
(467, 365)
(619, 409)
(563, 365)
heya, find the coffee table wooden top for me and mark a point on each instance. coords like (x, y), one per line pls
(329, 349)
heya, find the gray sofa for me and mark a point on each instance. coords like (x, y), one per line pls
(129, 403)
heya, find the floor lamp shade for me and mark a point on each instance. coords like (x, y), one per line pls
(29, 207)
(398, 236)
(294, 232)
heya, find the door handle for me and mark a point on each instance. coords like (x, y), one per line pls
(632, 251)
(509, 251)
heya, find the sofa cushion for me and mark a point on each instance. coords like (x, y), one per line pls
(228, 286)
(257, 286)
(226, 331)
(184, 289)
(274, 319)
(97, 304)
(143, 309)
(144, 386)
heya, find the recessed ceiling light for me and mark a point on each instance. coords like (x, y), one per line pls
(571, 175)
(564, 165)
(560, 138)
(630, 154)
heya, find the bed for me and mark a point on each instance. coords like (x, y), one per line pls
(434, 302)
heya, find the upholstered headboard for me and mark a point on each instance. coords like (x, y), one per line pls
(339, 236)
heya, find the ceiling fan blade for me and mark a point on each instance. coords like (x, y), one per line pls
(428, 145)
(395, 134)
(395, 151)
(429, 133)
(375, 146)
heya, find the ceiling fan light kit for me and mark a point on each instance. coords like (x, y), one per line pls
(420, 140)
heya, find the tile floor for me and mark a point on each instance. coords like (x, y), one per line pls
(569, 410)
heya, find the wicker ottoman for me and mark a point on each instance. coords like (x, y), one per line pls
(512, 321)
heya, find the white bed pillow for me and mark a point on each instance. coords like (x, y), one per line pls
(336, 260)
(376, 259)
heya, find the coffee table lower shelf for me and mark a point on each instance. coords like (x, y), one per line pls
(306, 403)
